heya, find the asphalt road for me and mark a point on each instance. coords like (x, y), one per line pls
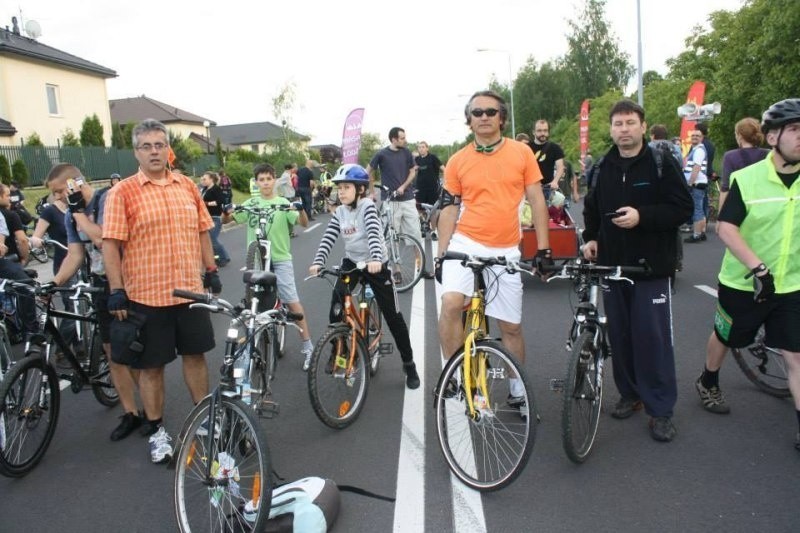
(728, 473)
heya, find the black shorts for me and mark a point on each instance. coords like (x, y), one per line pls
(739, 317)
(100, 302)
(172, 330)
(427, 196)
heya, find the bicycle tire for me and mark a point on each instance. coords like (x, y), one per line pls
(374, 334)
(489, 453)
(764, 367)
(6, 355)
(583, 398)
(100, 371)
(254, 260)
(22, 414)
(336, 397)
(265, 365)
(406, 260)
(280, 340)
(219, 504)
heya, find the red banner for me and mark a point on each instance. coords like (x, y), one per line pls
(695, 96)
(584, 131)
(351, 136)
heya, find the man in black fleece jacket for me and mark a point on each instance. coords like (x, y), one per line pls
(632, 216)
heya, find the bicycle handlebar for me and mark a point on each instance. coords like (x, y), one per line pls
(337, 270)
(614, 273)
(482, 262)
(205, 298)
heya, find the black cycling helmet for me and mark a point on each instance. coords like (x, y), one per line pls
(780, 114)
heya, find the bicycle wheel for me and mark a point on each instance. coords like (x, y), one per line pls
(374, 334)
(84, 328)
(280, 340)
(29, 403)
(488, 452)
(338, 395)
(100, 372)
(6, 356)
(764, 367)
(254, 260)
(222, 481)
(406, 260)
(263, 366)
(583, 396)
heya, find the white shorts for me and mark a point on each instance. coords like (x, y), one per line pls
(503, 289)
(406, 218)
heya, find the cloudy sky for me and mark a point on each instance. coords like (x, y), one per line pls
(407, 63)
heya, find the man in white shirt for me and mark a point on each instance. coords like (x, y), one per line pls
(695, 172)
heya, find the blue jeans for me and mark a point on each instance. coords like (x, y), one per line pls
(219, 250)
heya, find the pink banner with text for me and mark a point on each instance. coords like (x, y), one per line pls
(351, 136)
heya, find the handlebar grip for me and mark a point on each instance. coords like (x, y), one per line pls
(189, 295)
(455, 255)
(295, 317)
(546, 269)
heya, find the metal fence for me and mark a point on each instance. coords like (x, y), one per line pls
(96, 162)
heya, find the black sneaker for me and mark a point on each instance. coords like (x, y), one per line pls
(662, 429)
(412, 378)
(625, 408)
(695, 238)
(130, 421)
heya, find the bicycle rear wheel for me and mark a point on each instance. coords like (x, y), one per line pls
(29, 403)
(100, 372)
(488, 452)
(222, 481)
(374, 334)
(338, 394)
(406, 260)
(764, 367)
(583, 396)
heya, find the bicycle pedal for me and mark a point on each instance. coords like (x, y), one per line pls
(557, 385)
(386, 348)
(268, 409)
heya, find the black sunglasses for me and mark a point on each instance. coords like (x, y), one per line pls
(478, 112)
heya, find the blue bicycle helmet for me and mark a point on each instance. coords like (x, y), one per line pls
(351, 173)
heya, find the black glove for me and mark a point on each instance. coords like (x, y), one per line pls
(763, 287)
(75, 202)
(543, 260)
(117, 300)
(298, 205)
(437, 268)
(211, 281)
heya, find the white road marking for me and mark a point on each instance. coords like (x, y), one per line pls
(63, 384)
(409, 515)
(706, 289)
(312, 228)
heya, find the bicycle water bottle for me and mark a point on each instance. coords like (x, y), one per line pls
(368, 294)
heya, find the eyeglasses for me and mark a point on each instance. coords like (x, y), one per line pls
(489, 112)
(147, 147)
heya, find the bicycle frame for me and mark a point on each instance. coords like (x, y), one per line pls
(357, 320)
(475, 327)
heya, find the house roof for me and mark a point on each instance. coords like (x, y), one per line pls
(252, 133)
(6, 128)
(15, 44)
(139, 108)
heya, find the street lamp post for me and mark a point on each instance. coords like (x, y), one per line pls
(510, 85)
(206, 125)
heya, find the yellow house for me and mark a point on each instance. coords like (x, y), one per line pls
(177, 121)
(46, 91)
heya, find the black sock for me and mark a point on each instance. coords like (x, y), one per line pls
(798, 420)
(155, 423)
(709, 379)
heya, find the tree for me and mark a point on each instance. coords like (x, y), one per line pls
(34, 140)
(219, 153)
(92, 132)
(5, 170)
(20, 172)
(117, 136)
(69, 138)
(370, 143)
(543, 94)
(186, 151)
(594, 61)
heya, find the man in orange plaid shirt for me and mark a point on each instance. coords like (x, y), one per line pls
(159, 219)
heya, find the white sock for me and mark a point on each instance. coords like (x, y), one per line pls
(307, 346)
(515, 387)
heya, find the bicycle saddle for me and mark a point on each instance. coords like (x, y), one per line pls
(261, 278)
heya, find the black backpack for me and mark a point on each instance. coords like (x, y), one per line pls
(659, 153)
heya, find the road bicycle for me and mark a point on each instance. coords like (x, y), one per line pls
(30, 391)
(428, 215)
(588, 345)
(406, 254)
(347, 354)
(222, 476)
(484, 431)
(764, 367)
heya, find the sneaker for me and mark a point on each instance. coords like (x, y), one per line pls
(397, 277)
(686, 229)
(518, 402)
(625, 408)
(412, 378)
(662, 429)
(202, 430)
(703, 237)
(130, 421)
(434, 236)
(306, 359)
(160, 447)
(694, 238)
(712, 398)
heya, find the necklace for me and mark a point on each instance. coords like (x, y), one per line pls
(489, 148)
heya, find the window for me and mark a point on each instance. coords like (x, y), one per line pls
(254, 147)
(52, 99)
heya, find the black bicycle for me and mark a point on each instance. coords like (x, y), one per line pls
(30, 392)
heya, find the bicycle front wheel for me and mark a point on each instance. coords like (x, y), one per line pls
(254, 260)
(374, 334)
(406, 260)
(222, 481)
(337, 392)
(489, 451)
(100, 372)
(583, 396)
(29, 403)
(764, 367)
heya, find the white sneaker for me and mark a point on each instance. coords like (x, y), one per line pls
(307, 360)
(160, 447)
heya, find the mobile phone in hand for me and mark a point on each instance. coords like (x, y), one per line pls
(614, 214)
